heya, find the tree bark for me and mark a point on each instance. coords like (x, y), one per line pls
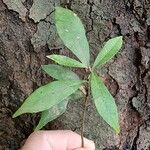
(24, 45)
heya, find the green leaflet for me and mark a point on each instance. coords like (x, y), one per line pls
(72, 33)
(59, 72)
(111, 47)
(57, 110)
(51, 114)
(104, 102)
(66, 61)
(48, 95)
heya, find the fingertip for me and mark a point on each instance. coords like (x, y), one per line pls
(48, 139)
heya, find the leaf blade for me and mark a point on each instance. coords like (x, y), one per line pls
(59, 72)
(66, 61)
(104, 102)
(111, 47)
(57, 110)
(51, 114)
(50, 93)
(72, 33)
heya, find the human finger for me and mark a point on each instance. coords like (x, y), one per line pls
(56, 140)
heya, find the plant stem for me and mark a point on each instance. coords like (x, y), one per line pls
(83, 115)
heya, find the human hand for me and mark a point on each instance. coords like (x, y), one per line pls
(56, 140)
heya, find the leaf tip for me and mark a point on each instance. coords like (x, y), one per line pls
(120, 38)
(57, 11)
(117, 130)
(48, 56)
(117, 127)
(58, 7)
(15, 115)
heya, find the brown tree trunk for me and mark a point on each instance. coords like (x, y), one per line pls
(24, 45)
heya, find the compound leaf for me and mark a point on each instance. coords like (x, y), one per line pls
(66, 61)
(59, 72)
(48, 96)
(111, 47)
(104, 102)
(72, 33)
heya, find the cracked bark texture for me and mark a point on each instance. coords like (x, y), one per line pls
(24, 45)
